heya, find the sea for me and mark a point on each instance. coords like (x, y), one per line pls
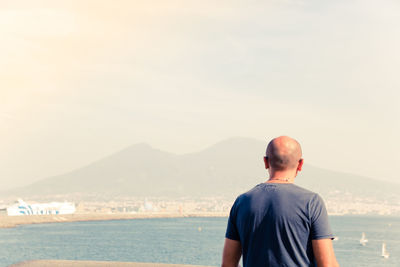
(197, 241)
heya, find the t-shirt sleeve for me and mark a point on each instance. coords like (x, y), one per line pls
(320, 228)
(232, 230)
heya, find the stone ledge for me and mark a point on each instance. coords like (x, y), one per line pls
(68, 263)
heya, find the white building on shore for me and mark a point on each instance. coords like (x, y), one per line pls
(22, 208)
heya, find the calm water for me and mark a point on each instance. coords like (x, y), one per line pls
(181, 240)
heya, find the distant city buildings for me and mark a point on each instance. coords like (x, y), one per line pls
(337, 203)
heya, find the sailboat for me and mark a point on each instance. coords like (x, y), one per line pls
(363, 240)
(385, 254)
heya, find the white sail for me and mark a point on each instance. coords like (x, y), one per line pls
(385, 254)
(363, 240)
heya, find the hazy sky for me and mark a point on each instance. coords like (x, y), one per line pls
(82, 79)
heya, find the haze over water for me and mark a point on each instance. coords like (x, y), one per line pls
(195, 241)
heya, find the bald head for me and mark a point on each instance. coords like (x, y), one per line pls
(283, 153)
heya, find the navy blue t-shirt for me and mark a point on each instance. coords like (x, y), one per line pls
(275, 224)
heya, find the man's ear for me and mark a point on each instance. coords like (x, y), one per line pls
(300, 165)
(266, 162)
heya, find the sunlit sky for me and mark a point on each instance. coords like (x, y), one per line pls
(82, 79)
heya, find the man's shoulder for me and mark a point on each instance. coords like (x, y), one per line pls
(282, 190)
(259, 188)
(249, 194)
(305, 194)
(304, 190)
(253, 191)
(285, 189)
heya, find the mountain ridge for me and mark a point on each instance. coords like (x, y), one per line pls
(228, 167)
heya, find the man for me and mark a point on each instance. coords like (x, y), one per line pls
(278, 223)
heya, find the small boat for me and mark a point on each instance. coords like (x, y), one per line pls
(363, 240)
(385, 254)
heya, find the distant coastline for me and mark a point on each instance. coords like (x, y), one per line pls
(14, 221)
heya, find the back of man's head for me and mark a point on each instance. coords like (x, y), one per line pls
(283, 153)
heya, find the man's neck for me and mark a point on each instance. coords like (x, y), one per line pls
(284, 177)
(281, 180)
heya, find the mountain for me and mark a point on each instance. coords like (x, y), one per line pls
(224, 169)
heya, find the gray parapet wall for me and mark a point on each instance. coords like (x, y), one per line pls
(66, 263)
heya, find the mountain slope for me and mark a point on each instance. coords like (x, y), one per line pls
(224, 169)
